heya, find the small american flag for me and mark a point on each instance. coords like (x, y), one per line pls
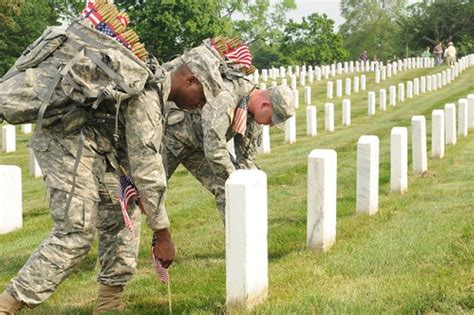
(127, 192)
(160, 270)
(239, 123)
(240, 55)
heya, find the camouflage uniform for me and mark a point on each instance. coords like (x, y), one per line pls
(198, 139)
(184, 139)
(91, 205)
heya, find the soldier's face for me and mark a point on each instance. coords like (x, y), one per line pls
(191, 94)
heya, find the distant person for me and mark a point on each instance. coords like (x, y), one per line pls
(427, 52)
(364, 56)
(450, 54)
(438, 52)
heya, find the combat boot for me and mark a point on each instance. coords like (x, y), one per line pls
(110, 299)
(9, 305)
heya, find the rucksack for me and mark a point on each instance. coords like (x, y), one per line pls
(69, 68)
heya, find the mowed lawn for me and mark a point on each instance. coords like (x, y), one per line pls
(416, 255)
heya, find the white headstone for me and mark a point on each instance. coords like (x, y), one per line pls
(462, 117)
(10, 198)
(367, 175)
(296, 99)
(389, 70)
(428, 83)
(362, 82)
(265, 145)
(401, 92)
(377, 76)
(329, 117)
(307, 95)
(338, 88)
(293, 82)
(434, 84)
(346, 112)
(302, 78)
(383, 99)
(439, 80)
(9, 138)
(356, 84)
(418, 130)
(231, 147)
(450, 123)
(383, 72)
(311, 121)
(263, 86)
(470, 111)
(246, 239)
(371, 104)
(329, 90)
(437, 134)
(26, 128)
(416, 87)
(290, 130)
(322, 193)
(423, 84)
(35, 170)
(393, 95)
(410, 89)
(399, 160)
(348, 86)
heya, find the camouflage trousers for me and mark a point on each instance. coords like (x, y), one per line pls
(93, 206)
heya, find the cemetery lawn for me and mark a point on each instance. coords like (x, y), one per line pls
(416, 255)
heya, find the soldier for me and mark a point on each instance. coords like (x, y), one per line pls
(197, 138)
(74, 162)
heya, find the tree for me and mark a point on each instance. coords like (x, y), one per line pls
(373, 25)
(313, 41)
(428, 22)
(21, 22)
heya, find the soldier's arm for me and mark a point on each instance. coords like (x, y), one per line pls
(215, 122)
(144, 132)
(246, 146)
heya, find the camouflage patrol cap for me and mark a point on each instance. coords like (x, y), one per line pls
(283, 107)
(204, 64)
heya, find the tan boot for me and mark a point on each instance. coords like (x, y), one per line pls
(9, 305)
(110, 299)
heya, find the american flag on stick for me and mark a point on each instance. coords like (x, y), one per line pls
(127, 192)
(161, 271)
(239, 123)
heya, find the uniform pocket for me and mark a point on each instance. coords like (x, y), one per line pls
(78, 217)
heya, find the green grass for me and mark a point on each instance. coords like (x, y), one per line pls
(416, 255)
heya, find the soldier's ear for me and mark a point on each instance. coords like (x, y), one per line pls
(191, 80)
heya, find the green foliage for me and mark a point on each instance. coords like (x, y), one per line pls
(169, 27)
(372, 25)
(428, 22)
(21, 22)
(313, 41)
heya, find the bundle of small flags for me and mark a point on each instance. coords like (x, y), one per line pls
(106, 18)
(235, 52)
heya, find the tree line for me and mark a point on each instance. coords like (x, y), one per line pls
(386, 28)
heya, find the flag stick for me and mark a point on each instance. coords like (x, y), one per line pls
(169, 296)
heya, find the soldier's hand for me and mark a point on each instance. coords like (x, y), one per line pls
(164, 248)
